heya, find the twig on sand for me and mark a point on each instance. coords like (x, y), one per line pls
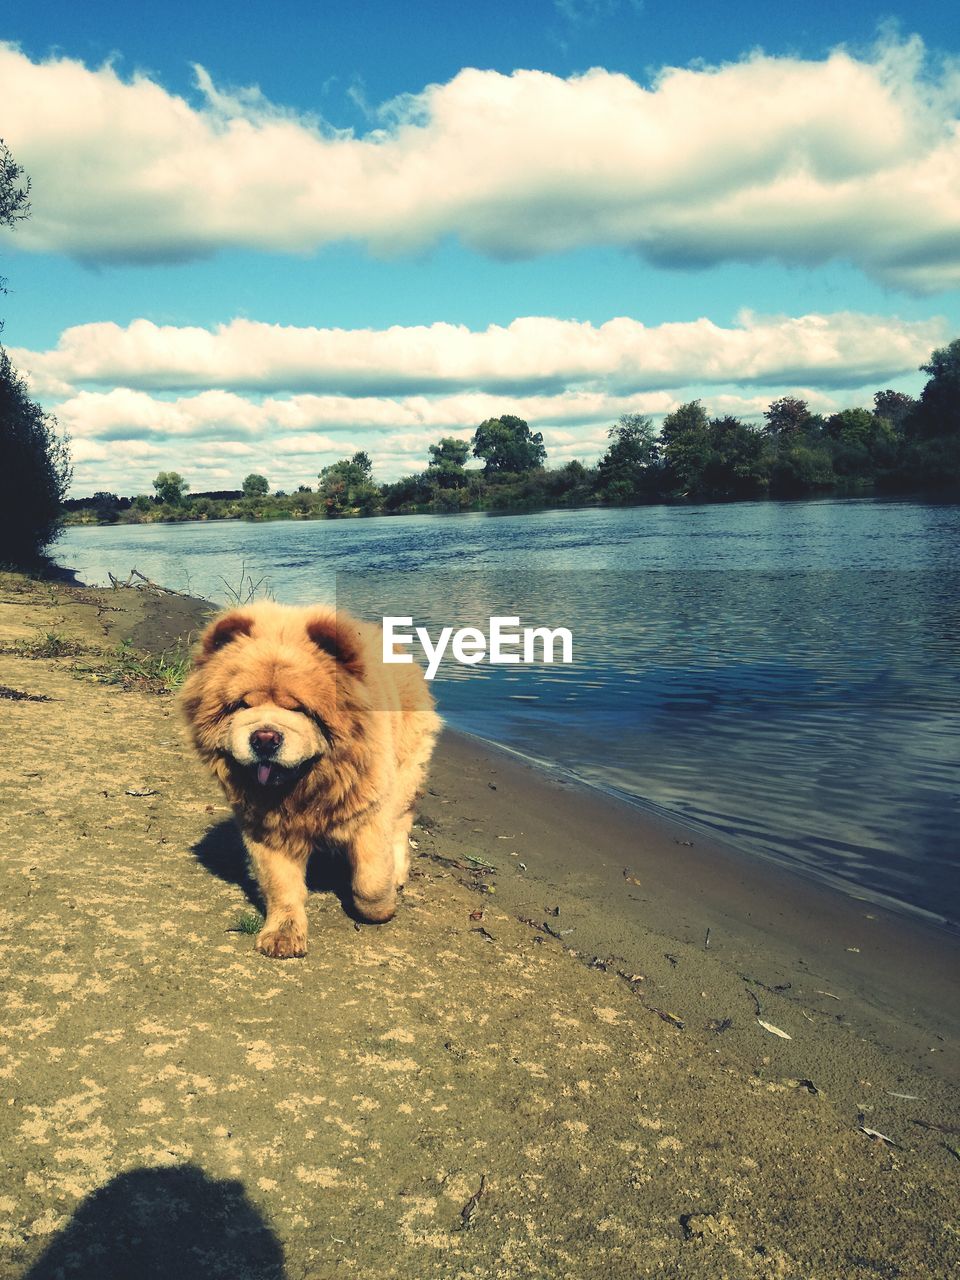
(480, 862)
(940, 1128)
(470, 1208)
(877, 1136)
(140, 582)
(17, 695)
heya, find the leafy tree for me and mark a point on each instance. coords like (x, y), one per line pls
(14, 189)
(787, 419)
(685, 441)
(142, 502)
(408, 493)
(35, 471)
(738, 464)
(107, 506)
(628, 471)
(930, 445)
(362, 460)
(938, 413)
(256, 486)
(447, 459)
(348, 485)
(14, 195)
(852, 426)
(171, 487)
(800, 470)
(507, 445)
(894, 407)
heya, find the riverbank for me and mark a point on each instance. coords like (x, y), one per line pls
(547, 1013)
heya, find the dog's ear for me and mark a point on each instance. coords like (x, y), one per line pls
(226, 628)
(340, 639)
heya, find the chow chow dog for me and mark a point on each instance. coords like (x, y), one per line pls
(316, 742)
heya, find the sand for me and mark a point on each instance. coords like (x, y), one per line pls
(556, 1030)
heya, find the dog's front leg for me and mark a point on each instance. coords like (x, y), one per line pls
(282, 881)
(372, 866)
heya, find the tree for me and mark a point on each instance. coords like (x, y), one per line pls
(800, 470)
(363, 463)
(787, 419)
(14, 189)
(938, 413)
(348, 485)
(894, 407)
(628, 470)
(107, 506)
(738, 465)
(447, 459)
(407, 493)
(852, 426)
(685, 440)
(171, 487)
(506, 444)
(14, 195)
(256, 486)
(35, 471)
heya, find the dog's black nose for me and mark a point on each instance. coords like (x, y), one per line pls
(265, 742)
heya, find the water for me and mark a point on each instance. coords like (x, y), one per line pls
(784, 675)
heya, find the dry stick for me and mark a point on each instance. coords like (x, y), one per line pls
(470, 1208)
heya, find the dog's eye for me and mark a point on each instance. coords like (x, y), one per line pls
(241, 704)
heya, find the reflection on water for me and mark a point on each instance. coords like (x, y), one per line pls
(786, 675)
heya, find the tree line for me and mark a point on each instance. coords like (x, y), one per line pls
(899, 445)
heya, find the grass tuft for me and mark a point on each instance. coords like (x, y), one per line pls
(51, 644)
(152, 673)
(248, 922)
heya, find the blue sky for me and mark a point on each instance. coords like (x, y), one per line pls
(398, 213)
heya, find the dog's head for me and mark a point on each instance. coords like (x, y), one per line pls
(271, 691)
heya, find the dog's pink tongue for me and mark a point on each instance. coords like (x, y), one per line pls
(263, 774)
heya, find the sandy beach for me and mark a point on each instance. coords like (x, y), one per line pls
(591, 1043)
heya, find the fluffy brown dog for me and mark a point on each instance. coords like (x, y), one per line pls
(315, 741)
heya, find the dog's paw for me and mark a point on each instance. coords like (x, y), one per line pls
(285, 942)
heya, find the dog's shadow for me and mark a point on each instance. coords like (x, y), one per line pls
(221, 852)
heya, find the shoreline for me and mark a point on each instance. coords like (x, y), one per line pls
(895, 972)
(689, 826)
(698, 878)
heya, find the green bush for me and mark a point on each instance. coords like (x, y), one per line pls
(35, 472)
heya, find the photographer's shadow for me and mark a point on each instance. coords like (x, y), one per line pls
(221, 852)
(155, 1224)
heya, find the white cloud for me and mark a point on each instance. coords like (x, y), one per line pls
(534, 354)
(799, 160)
